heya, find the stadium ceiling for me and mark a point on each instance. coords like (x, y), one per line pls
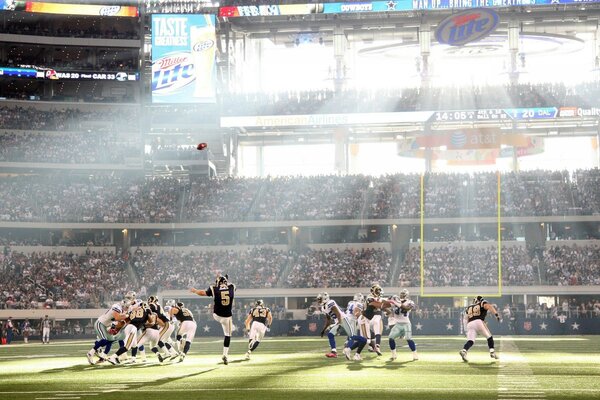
(561, 19)
(391, 133)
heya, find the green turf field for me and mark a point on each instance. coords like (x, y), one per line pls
(295, 368)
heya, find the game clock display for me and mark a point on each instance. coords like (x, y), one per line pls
(471, 115)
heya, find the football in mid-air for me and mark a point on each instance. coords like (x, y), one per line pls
(201, 146)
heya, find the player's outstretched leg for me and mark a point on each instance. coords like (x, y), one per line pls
(333, 352)
(465, 349)
(490, 342)
(413, 347)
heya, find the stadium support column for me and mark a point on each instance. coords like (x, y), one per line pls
(513, 47)
(425, 44)
(598, 143)
(340, 139)
(339, 52)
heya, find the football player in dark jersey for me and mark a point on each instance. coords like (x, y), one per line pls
(164, 332)
(223, 293)
(187, 328)
(372, 314)
(136, 319)
(257, 323)
(474, 320)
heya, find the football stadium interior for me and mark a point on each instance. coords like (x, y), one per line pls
(184, 180)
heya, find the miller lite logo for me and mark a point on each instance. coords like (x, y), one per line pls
(172, 72)
(467, 26)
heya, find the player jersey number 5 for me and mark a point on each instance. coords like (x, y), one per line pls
(224, 295)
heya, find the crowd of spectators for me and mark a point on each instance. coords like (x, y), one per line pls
(572, 265)
(67, 119)
(339, 268)
(528, 193)
(396, 99)
(94, 279)
(67, 147)
(467, 266)
(61, 280)
(74, 26)
(259, 267)
(97, 198)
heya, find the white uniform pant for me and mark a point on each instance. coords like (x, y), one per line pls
(130, 336)
(45, 334)
(165, 332)
(148, 335)
(257, 331)
(364, 327)
(187, 329)
(226, 324)
(475, 327)
(376, 324)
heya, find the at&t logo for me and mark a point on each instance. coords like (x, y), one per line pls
(467, 26)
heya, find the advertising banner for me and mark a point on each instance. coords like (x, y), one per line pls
(183, 58)
(36, 72)
(81, 9)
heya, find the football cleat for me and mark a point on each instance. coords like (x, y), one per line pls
(90, 357)
(357, 357)
(331, 355)
(225, 361)
(160, 357)
(181, 357)
(378, 351)
(494, 355)
(247, 357)
(463, 354)
(415, 356)
(114, 360)
(393, 357)
(347, 353)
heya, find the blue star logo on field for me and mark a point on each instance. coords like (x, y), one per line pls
(391, 6)
(418, 326)
(206, 328)
(296, 328)
(449, 327)
(543, 326)
(575, 326)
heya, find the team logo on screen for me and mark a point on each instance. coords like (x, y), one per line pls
(109, 11)
(467, 26)
(172, 72)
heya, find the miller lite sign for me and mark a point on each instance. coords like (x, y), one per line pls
(467, 26)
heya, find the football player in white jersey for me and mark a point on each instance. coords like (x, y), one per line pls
(399, 322)
(104, 337)
(331, 308)
(332, 322)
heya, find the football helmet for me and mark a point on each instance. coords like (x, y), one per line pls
(260, 303)
(376, 290)
(323, 298)
(130, 297)
(222, 280)
(170, 303)
(477, 299)
(152, 300)
(180, 304)
(404, 294)
(358, 297)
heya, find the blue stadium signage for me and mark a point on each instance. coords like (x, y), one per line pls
(467, 26)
